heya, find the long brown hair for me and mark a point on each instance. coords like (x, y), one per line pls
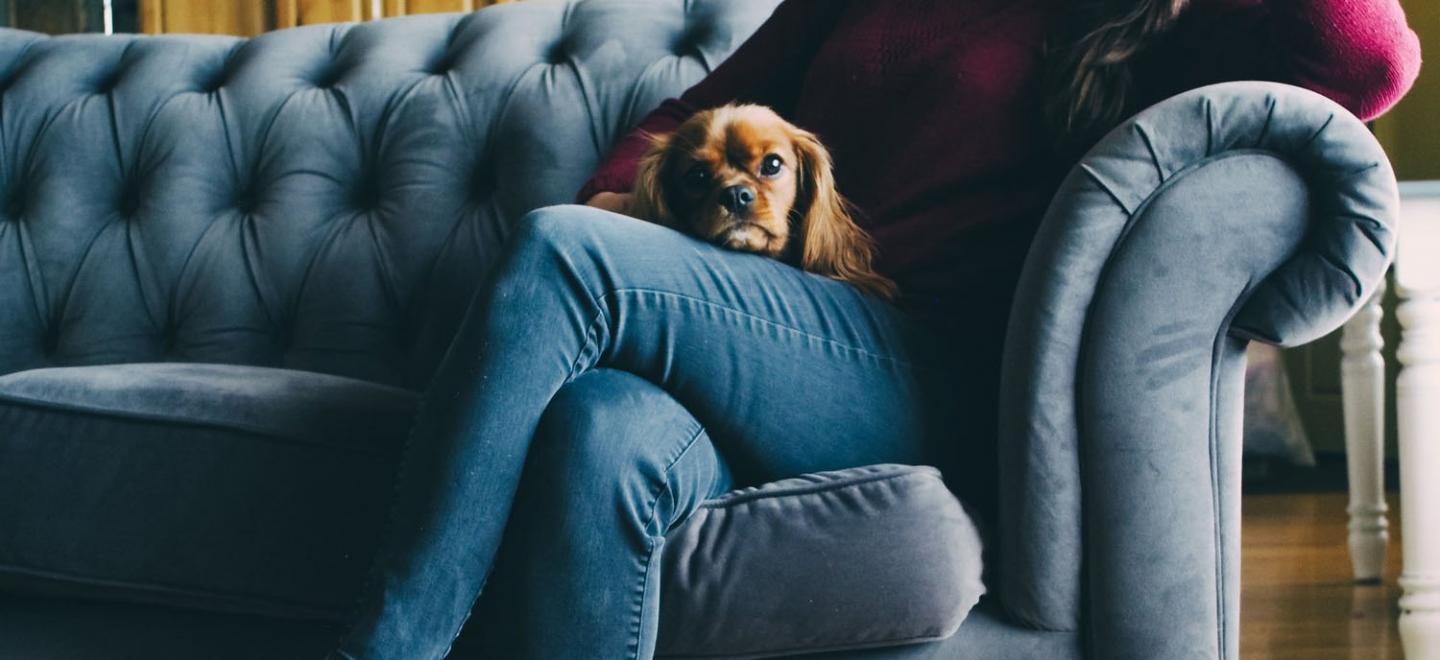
(1089, 78)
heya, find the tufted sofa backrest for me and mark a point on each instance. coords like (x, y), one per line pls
(325, 198)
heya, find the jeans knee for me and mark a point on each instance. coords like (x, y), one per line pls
(564, 225)
(611, 423)
(616, 444)
(549, 221)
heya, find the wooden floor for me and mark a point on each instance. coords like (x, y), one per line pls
(1298, 600)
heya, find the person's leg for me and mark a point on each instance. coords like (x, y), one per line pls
(789, 372)
(615, 463)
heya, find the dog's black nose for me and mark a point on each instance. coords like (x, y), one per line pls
(737, 199)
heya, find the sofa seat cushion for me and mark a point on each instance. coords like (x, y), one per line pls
(259, 490)
(229, 487)
(880, 555)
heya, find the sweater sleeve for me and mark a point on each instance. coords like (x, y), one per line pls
(1359, 53)
(767, 69)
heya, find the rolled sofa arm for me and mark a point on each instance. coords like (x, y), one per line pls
(1233, 212)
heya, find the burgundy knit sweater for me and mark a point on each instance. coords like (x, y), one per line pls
(931, 109)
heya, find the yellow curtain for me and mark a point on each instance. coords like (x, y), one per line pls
(249, 17)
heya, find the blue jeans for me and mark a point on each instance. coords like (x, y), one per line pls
(615, 464)
(785, 371)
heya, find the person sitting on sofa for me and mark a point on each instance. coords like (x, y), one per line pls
(951, 123)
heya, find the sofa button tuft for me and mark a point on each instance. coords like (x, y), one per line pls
(440, 66)
(108, 83)
(559, 52)
(367, 197)
(212, 83)
(327, 77)
(482, 184)
(246, 199)
(129, 203)
(50, 341)
(688, 45)
(368, 190)
(14, 206)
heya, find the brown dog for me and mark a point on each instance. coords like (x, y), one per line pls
(741, 177)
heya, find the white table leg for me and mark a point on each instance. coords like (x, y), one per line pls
(1418, 408)
(1362, 387)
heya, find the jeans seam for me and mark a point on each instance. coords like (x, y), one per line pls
(589, 341)
(600, 302)
(650, 541)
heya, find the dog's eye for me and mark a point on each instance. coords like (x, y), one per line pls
(697, 176)
(771, 165)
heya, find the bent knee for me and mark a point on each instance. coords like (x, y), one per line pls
(567, 223)
(617, 442)
(554, 220)
(578, 229)
(610, 421)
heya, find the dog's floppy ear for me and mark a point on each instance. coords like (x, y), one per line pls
(831, 243)
(648, 199)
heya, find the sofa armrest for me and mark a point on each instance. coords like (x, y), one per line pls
(1232, 212)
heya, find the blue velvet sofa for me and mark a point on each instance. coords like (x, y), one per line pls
(227, 266)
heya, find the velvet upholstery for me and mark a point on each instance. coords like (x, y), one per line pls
(1241, 210)
(323, 201)
(825, 537)
(324, 198)
(261, 490)
(227, 487)
(41, 628)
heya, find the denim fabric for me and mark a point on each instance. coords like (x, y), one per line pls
(789, 373)
(615, 464)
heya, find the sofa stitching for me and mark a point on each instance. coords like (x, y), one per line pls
(1149, 142)
(130, 416)
(27, 163)
(809, 649)
(238, 600)
(1221, 592)
(273, 309)
(39, 293)
(728, 501)
(1222, 332)
(80, 263)
(335, 222)
(1131, 219)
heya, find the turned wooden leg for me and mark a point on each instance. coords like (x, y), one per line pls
(1417, 405)
(1362, 387)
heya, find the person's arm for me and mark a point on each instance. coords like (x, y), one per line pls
(767, 69)
(616, 174)
(1359, 53)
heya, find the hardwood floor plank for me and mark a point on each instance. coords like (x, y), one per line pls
(1297, 599)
